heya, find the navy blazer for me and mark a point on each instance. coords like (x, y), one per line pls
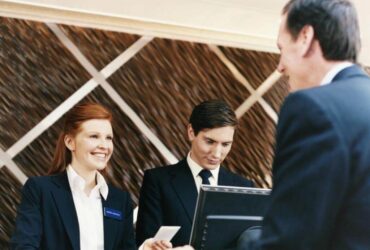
(47, 217)
(168, 197)
(321, 171)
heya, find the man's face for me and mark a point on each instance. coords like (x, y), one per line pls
(210, 146)
(291, 57)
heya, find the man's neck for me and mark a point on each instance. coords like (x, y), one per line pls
(320, 71)
(338, 67)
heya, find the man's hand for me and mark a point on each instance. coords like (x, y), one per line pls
(187, 247)
(151, 244)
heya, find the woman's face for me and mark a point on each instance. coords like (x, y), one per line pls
(92, 146)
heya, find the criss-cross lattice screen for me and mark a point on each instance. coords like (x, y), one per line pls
(151, 86)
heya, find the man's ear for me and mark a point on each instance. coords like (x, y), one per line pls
(306, 38)
(191, 133)
(70, 143)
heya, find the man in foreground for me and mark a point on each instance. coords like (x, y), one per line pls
(321, 171)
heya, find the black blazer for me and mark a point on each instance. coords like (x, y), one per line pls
(321, 171)
(47, 218)
(168, 197)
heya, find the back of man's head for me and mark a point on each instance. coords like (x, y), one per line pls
(212, 114)
(334, 22)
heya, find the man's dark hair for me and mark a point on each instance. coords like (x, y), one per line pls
(212, 114)
(334, 22)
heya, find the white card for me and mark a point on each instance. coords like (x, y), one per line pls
(166, 233)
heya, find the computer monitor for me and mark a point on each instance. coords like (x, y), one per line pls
(223, 213)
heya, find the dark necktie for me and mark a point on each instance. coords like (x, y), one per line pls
(205, 174)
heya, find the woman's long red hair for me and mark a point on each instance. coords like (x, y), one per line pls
(72, 125)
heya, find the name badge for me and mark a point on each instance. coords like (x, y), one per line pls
(112, 213)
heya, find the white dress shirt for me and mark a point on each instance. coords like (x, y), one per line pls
(328, 78)
(195, 170)
(89, 210)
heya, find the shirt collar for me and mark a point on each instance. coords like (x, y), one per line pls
(196, 168)
(76, 182)
(328, 78)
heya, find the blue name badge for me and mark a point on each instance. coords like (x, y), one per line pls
(112, 213)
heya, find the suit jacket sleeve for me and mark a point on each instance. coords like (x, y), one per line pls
(310, 172)
(28, 228)
(150, 213)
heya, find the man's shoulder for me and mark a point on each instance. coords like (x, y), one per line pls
(350, 80)
(162, 175)
(329, 98)
(166, 168)
(237, 180)
(309, 100)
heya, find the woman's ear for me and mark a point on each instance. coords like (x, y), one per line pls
(70, 142)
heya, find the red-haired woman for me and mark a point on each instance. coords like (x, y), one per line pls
(73, 207)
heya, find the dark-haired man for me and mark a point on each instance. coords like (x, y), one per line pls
(321, 171)
(168, 194)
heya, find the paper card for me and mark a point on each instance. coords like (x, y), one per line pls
(166, 233)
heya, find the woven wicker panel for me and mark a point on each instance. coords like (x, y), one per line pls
(10, 196)
(256, 67)
(133, 153)
(277, 93)
(36, 158)
(100, 47)
(167, 79)
(252, 151)
(36, 74)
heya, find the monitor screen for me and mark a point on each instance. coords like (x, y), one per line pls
(223, 213)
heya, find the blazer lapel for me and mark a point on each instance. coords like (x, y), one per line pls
(64, 201)
(184, 185)
(110, 225)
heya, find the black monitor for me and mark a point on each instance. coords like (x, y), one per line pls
(223, 213)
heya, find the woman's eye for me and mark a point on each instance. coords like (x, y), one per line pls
(110, 138)
(94, 136)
